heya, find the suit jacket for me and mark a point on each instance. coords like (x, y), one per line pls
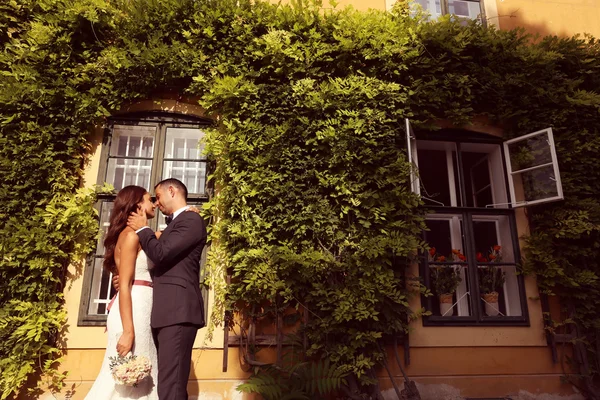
(176, 257)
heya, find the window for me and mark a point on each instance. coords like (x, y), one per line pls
(142, 150)
(471, 268)
(465, 9)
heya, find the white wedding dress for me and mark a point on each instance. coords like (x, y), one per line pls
(104, 387)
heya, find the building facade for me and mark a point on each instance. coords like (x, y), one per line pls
(467, 347)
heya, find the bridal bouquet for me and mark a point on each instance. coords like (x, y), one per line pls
(129, 370)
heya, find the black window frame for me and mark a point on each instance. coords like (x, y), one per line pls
(162, 121)
(477, 317)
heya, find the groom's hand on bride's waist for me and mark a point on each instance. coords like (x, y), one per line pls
(137, 220)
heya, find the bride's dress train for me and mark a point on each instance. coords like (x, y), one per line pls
(104, 387)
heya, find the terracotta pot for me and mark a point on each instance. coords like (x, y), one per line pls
(491, 304)
(446, 308)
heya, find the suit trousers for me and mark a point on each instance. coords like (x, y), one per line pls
(174, 344)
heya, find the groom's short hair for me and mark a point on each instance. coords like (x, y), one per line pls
(165, 183)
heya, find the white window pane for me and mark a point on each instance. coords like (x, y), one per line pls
(101, 289)
(466, 9)
(124, 172)
(493, 241)
(535, 184)
(533, 173)
(438, 173)
(413, 157)
(184, 143)
(105, 212)
(191, 173)
(446, 240)
(499, 290)
(498, 285)
(432, 7)
(478, 185)
(528, 153)
(132, 141)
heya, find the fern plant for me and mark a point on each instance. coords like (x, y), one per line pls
(307, 380)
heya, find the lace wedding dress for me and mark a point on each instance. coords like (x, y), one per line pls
(104, 387)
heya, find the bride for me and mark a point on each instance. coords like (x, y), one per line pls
(128, 321)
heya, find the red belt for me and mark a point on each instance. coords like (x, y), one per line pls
(135, 283)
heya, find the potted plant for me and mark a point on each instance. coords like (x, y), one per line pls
(445, 280)
(491, 280)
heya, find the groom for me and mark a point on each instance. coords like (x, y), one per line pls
(177, 311)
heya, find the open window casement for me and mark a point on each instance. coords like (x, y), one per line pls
(411, 146)
(532, 169)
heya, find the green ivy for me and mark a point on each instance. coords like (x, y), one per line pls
(314, 209)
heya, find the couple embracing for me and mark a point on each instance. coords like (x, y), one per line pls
(158, 308)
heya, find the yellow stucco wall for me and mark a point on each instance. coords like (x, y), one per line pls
(473, 372)
(557, 17)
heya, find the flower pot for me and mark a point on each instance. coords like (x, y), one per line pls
(491, 304)
(446, 308)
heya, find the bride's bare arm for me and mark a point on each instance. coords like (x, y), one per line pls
(129, 249)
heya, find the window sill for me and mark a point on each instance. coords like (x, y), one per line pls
(92, 320)
(468, 321)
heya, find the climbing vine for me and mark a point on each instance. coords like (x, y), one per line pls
(314, 210)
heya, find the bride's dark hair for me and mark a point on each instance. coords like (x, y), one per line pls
(127, 201)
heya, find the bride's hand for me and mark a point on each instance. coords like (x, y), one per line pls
(125, 343)
(194, 209)
(157, 234)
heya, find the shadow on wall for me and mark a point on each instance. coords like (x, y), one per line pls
(559, 18)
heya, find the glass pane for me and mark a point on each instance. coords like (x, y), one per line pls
(433, 7)
(530, 152)
(498, 285)
(466, 9)
(444, 237)
(124, 172)
(479, 169)
(450, 286)
(535, 184)
(132, 141)
(448, 282)
(105, 212)
(493, 241)
(483, 198)
(102, 290)
(433, 172)
(184, 143)
(499, 290)
(478, 183)
(191, 173)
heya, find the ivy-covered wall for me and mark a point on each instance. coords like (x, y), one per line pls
(315, 210)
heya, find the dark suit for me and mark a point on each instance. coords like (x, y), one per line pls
(178, 309)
